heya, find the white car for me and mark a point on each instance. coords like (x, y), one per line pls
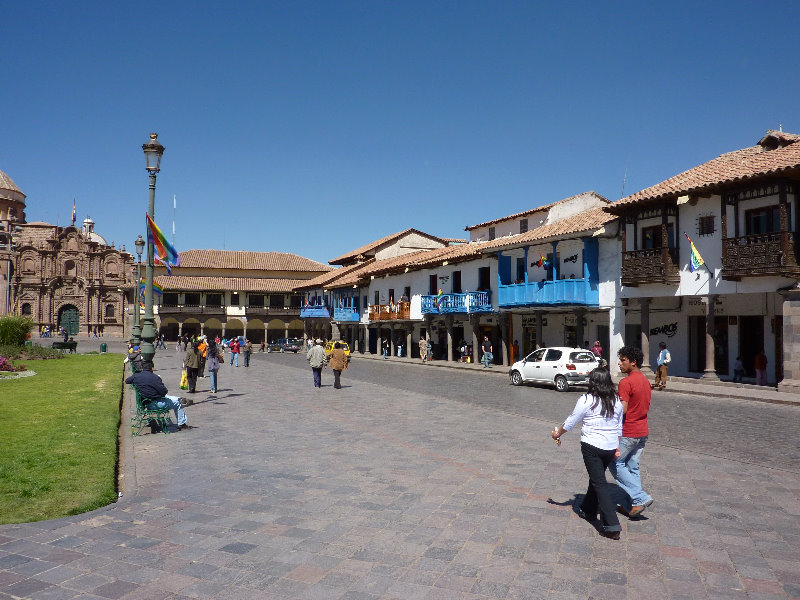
(561, 367)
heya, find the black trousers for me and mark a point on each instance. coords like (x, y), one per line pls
(191, 376)
(336, 383)
(598, 495)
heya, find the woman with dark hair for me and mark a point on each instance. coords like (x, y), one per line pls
(213, 359)
(600, 411)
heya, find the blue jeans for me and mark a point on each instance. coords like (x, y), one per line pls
(212, 376)
(317, 376)
(626, 469)
(235, 358)
(487, 358)
(177, 407)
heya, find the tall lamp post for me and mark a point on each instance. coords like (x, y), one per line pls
(152, 154)
(136, 332)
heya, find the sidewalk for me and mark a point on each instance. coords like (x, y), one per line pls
(281, 491)
(680, 385)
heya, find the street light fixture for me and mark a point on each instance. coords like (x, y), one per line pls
(153, 151)
(136, 333)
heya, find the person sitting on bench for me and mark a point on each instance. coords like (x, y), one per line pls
(153, 390)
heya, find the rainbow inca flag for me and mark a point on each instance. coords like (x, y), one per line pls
(165, 252)
(695, 261)
(157, 289)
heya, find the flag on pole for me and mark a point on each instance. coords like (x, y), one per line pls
(165, 252)
(440, 300)
(73, 212)
(695, 261)
(157, 289)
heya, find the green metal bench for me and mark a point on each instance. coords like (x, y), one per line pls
(146, 413)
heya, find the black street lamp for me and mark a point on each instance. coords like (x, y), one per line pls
(136, 332)
(153, 151)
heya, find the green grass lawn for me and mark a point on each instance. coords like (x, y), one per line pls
(58, 438)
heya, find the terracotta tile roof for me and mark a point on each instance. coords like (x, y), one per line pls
(331, 278)
(587, 221)
(367, 248)
(776, 152)
(535, 210)
(237, 259)
(188, 283)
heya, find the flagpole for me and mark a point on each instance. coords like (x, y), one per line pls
(174, 208)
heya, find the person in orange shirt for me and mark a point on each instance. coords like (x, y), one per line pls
(202, 347)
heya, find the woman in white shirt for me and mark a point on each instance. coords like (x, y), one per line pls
(600, 411)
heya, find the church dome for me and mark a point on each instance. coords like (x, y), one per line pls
(12, 200)
(9, 189)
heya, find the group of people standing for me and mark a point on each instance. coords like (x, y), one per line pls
(613, 437)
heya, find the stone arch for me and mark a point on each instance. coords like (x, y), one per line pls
(212, 328)
(276, 329)
(26, 309)
(191, 327)
(296, 328)
(256, 330)
(169, 327)
(109, 311)
(70, 268)
(234, 328)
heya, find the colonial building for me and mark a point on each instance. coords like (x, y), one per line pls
(741, 212)
(230, 293)
(70, 277)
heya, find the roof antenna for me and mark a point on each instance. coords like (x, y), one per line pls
(780, 127)
(624, 179)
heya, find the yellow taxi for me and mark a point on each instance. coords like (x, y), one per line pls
(342, 345)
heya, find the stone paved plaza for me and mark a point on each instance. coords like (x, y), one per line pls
(419, 483)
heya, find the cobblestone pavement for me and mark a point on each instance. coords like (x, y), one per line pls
(415, 484)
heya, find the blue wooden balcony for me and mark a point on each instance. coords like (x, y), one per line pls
(471, 302)
(548, 293)
(315, 311)
(346, 314)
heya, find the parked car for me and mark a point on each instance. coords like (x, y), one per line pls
(562, 367)
(284, 345)
(344, 345)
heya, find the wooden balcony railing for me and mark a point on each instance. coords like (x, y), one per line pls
(654, 265)
(186, 309)
(390, 312)
(760, 255)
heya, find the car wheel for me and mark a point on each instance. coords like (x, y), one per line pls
(562, 385)
(516, 378)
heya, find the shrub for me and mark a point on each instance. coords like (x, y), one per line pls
(14, 330)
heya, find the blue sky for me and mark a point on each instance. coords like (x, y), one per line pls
(315, 127)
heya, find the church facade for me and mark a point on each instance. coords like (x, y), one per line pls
(62, 276)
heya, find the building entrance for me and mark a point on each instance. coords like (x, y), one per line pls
(69, 319)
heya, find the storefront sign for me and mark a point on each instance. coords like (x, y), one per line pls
(667, 330)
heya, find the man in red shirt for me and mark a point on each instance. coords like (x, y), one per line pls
(634, 392)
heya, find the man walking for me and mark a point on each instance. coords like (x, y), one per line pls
(663, 361)
(317, 359)
(246, 350)
(423, 349)
(634, 392)
(153, 390)
(486, 346)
